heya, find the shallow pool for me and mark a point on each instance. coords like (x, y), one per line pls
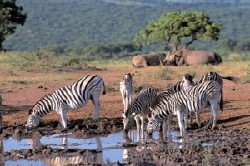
(110, 147)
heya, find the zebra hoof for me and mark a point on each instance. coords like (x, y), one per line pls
(214, 127)
(64, 130)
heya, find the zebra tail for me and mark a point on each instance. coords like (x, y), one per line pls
(104, 89)
(230, 78)
(221, 101)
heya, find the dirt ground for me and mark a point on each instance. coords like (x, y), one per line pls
(21, 96)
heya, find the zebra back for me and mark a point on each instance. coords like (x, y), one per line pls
(140, 105)
(185, 84)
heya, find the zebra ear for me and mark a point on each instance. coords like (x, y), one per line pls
(30, 112)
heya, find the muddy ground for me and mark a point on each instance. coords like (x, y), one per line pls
(229, 143)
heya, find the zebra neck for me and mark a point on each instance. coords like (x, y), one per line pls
(41, 110)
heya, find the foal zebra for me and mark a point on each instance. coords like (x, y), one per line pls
(138, 110)
(182, 102)
(126, 89)
(69, 97)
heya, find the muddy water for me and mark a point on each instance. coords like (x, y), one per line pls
(204, 147)
(110, 148)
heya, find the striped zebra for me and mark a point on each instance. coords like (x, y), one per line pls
(186, 83)
(213, 76)
(182, 102)
(68, 97)
(138, 110)
(126, 89)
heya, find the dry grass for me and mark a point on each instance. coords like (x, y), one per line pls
(164, 75)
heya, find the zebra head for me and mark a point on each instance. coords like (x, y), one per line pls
(128, 122)
(32, 122)
(153, 123)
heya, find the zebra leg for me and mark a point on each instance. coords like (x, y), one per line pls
(63, 115)
(186, 121)
(180, 116)
(142, 127)
(99, 143)
(169, 119)
(64, 141)
(124, 103)
(214, 107)
(191, 118)
(198, 118)
(97, 104)
(1, 146)
(137, 120)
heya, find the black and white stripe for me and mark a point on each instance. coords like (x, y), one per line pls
(69, 97)
(126, 89)
(182, 102)
(139, 110)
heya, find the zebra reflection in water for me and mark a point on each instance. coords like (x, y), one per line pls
(87, 158)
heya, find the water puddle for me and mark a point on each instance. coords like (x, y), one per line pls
(110, 149)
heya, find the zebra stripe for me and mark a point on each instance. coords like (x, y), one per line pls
(138, 109)
(126, 89)
(182, 102)
(69, 97)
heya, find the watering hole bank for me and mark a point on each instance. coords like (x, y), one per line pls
(69, 149)
(102, 142)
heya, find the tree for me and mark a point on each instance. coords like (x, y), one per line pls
(10, 16)
(175, 27)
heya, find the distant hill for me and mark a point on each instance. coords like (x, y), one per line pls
(85, 22)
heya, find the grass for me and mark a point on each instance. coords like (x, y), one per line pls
(44, 66)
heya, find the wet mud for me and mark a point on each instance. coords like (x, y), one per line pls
(222, 146)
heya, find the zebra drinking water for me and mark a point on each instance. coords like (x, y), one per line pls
(69, 97)
(139, 110)
(180, 103)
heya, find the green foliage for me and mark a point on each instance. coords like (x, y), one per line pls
(77, 24)
(45, 61)
(10, 16)
(172, 27)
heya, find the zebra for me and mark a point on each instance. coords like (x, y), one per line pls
(182, 102)
(68, 97)
(138, 110)
(126, 89)
(186, 83)
(213, 76)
